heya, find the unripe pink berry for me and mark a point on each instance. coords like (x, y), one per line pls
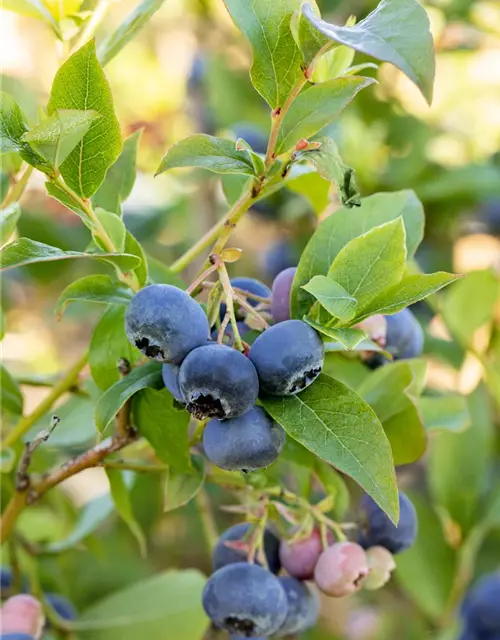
(299, 558)
(381, 564)
(341, 569)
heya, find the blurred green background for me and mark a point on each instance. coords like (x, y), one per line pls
(187, 71)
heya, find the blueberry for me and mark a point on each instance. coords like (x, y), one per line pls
(251, 134)
(245, 600)
(300, 558)
(482, 607)
(251, 441)
(16, 636)
(218, 382)
(405, 338)
(303, 607)
(280, 301)
(341, 569)
(223, 555)
(278, 257)
(250, 285)
(377, 530)
(165, 323)
(198, 72)
(170, 375)
(5, 578)
(61, 605)
(288, 357)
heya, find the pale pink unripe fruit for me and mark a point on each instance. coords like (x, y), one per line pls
(341, 569)
(381, 564)
(300, 558)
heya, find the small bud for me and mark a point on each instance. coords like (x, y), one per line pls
(302, 144)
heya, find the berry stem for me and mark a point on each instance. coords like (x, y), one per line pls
(249, 309)
(223, 326)
(18, 188)
(209, 526)
(229, 295)
(199, 280)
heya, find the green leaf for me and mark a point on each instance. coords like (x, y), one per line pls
(329, 164)
(113, 399)
(426, 571)
(132, 246)
(332, 297)
(8, 221)
(398, 31)
(25, 251)
(11, 398)
(167, 601)
(316, 107)
(392, 391)
(207, 152)
(32, 8)
(371, 262)
(459, 464)
(337, 230)
(114, 227)
(55, 138)
(7, 460)
(277, 60)
(81, 84)
(349, 371)
(61, 196)
(309, 40)
(348, 338)
(339, 427)
(448, 413)
(464, 318)
(109, 343)
(99, 288)
(333, 63)
(161, 274)
(120, 178)
(13, 126)
(164, 427)
(314, 188)
(121, 498)
(63, 8)
(128, 29)
(409, 290)
(93, 514)
(334, 486)
(181, 488)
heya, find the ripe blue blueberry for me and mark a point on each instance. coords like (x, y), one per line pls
(377, 530)
(405, 338)
(5, 578)
(218, 382)
(223, 555)
(303, 606)
(251, 134)
(278, 257)
(481, 609)
(288, 357)
(16, 636)
(280, 301)
(170, 375)
(165, 323)
(245, 600)
(61, 605)
(251, 441)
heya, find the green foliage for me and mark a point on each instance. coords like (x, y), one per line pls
(108, 346)
(25, 251)
(128, 29)
(276, 59)
(33, 8)
(164, 426)
(121, 498)
(396, 32)
(99, 288)
(332, 297)
(108, 405)
(85, 168)
(323, 419)
(180, 488)
(8, 221)
(170, 600)
(11, 398)
(316, 107)
(120, 178)
(215, 154)
(338, 230)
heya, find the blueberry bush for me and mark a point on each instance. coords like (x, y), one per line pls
(290, 404)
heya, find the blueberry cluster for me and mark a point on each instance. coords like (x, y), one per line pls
(216, 382)
(249, 600)
(481, 610)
